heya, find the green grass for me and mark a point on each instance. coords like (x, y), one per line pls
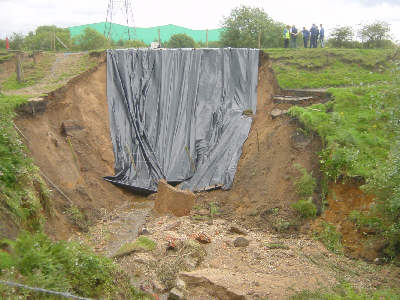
(142, 243)
(4, 57)
(330, 237)
(355, 128)
(19, 199)
(34, 260)
(319, 68)
(359, 127)
(33, 73)
(306, 183)
(305, 208)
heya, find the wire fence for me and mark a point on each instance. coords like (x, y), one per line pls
(40, 290)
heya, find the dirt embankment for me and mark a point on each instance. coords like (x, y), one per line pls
(70, 143)
(263, 189)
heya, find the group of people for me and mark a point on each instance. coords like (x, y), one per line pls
(310, 37)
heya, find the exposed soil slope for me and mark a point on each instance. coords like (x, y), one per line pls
(263, 188)
(76, 161)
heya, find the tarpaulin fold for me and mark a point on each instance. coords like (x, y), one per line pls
(177, 114)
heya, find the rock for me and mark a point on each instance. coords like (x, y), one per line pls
(238, 230)
(202, 238)
(241, 242)
(180, 284)
(203, 212)
(218, 283)
(68, 126)
(176, 294)
(172, 243)
(158, 286)
(173, 226)
(172, 200)
(299, 141)
(276, 112)
(144, 231)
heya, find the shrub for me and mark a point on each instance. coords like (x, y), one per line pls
(305, 208)
(305, 185)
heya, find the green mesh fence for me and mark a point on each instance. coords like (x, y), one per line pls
(150, 34)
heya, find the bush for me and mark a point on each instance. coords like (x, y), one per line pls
(305, 208)
(181, 40)
(305, 185)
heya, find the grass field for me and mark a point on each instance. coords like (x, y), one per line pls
(320, 68)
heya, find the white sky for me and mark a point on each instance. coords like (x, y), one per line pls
(25, 15)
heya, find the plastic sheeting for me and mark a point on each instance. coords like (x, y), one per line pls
(177, 114)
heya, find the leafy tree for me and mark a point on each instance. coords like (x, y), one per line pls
(181, 40)
(373, 35)
(17, 41)
(90, 40)
(245, 26)
(341, 37)
(43, 36)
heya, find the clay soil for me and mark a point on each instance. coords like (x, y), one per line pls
(77, 162)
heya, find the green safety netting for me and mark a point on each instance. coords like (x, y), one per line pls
(150, 34)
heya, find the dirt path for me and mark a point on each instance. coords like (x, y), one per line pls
(57, 70)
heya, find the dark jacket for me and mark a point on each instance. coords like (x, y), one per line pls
(306, 34)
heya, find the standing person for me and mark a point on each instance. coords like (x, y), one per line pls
(286, 36)
(314, 36)
(321, 36)
(306, 36)
(293, 37)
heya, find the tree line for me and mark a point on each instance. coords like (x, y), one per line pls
(245, 27)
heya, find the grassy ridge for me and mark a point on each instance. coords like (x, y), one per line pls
(19, 199)
(319, 68)
(360, 128)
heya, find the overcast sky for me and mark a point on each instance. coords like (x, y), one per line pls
(25, 15)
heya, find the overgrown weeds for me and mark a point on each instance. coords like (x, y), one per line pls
(330, 237)
(19, 200)
(34, 260)
(306, 183)
(305, 208)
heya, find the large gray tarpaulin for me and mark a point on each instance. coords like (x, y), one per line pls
(177, 114)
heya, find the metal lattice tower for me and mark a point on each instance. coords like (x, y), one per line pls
(119, 12)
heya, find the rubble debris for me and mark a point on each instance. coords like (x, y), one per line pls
(290, 99)
(238, 230)
(202, 238)
(276, 112)
(241, 242)
(176, 294)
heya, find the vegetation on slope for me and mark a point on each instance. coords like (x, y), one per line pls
(33, 259)
(359, 128)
